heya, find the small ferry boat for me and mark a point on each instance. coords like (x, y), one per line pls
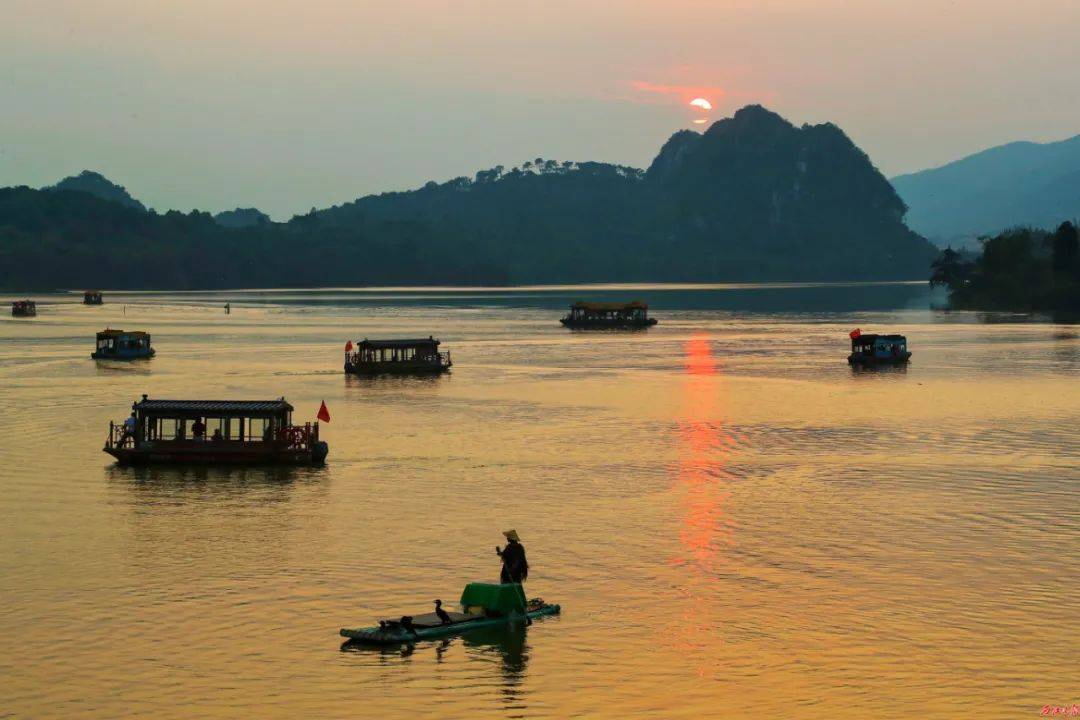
(122, 345)
(23, 308)
(398, 357)
(92, 297)
(214, 431)
(869, 349)
(600, 316)
(483, 605)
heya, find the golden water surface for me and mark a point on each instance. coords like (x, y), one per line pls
(735, 523)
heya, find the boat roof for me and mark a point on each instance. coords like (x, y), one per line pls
(380, 344)
(91, 292)
(22, 302)
(635, 305)
(870, 337)
(110, 332)
(214, 407)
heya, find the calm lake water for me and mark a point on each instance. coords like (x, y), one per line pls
(735, 523)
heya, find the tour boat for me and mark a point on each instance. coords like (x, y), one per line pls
(23, 308)
(483, 605)
(122, 345)
(870, 349)
(215, 431)
(92, 297)
(602, 316)
(396, 357)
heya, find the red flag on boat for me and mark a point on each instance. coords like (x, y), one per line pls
(348, 346)
(324, 414)
(855, 333)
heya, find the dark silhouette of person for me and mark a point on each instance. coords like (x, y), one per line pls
(130, 426)
(444, 617)
(515, 568)
(198, 429)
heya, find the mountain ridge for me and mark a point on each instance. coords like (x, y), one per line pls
(1021, 183)
(752, 198)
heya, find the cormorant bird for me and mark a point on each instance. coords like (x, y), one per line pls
(444, 617)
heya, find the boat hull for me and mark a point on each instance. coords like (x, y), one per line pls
(211, 453)
(607, 324)
(381, 636)
(400, 368)
(97, 355)
(870, 361)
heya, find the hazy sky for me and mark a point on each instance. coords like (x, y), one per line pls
(289, 104)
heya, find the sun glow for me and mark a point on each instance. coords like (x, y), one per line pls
(701, 103)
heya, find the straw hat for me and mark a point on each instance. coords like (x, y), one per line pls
(511, 535)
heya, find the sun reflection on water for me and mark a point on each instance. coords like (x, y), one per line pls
(704, 445)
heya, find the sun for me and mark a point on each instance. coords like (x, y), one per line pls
(701, 103)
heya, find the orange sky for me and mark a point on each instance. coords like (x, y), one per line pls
(290, 104)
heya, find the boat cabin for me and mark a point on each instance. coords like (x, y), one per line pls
(600, 315)
(122, 345)
(402, 357)
(92, 297)
(869, 349)
(214, 431)
(23, 308)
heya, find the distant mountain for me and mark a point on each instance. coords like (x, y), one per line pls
(1019, 184)
(242, 217)
(98, 185)
(752, 198)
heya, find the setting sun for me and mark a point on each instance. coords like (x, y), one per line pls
(701, 103)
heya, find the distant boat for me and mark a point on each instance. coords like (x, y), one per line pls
(23, 308)
(869, 349)
(122, 345)
(92, 297)
(396, 357)
(600, 316)
(249, 432)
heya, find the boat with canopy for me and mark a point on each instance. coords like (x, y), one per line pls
(869, 349)
(396, 357)
(214, 431)
(122, 345)
(605, 316)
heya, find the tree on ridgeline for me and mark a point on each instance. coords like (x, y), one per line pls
(1066, 247)
(949, 269)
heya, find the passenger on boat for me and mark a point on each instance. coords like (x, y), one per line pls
(515, 567)
(198, 429)
(129, 428)
(217, 436)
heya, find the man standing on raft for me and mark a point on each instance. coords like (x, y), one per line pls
(515, 568)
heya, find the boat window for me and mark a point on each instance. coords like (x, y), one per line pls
(256, 427)
(168, 429)
(212, 425)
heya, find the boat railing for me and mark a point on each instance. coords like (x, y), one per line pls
(299, 437)
(441, 358)
(118, 436)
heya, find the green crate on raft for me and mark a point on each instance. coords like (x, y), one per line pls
(506, 599)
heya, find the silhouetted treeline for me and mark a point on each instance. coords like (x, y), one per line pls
(753, 198)
(1021, 269)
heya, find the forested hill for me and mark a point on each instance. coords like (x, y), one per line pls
(753, 198)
